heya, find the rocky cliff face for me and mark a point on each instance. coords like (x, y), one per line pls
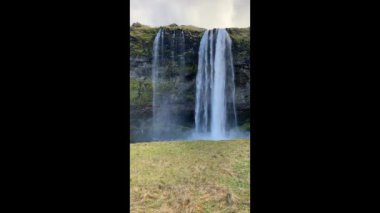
(181, 80)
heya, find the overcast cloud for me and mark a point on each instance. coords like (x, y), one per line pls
(201, 13)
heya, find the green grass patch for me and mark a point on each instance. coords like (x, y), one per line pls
(193, 176)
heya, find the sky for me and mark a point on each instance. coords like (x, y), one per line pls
(200, 13)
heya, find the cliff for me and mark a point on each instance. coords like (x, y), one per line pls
(181, 81)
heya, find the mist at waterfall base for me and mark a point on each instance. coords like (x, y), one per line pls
(215, 115)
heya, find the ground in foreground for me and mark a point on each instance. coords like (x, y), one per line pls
(190, 176)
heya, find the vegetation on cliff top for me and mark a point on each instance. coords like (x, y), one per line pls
(141, 39)
(142, 36)
(240, 44)
(189, 28)
(239, 34)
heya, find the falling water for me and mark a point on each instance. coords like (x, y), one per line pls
(215, 111)
(168, 60)
(155, 71)
(181, 45)
(172, 47)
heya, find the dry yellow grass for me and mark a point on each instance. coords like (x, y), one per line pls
(192, 176)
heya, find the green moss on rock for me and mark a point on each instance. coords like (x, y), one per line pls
(240, 44)
(141, 39)
(140, 92)
(239, 35)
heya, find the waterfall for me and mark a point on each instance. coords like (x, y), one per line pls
(182, 49)
(168, 60)
(173, 46)
(215, 111)
(155, 71)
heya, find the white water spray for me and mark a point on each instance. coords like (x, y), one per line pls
(167, 60)
(155, 67)
(215, 111)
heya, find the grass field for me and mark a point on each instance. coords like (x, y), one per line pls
(196, 176)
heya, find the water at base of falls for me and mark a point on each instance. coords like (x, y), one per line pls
(230, 135)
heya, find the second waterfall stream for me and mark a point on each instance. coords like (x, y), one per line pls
(215, 111)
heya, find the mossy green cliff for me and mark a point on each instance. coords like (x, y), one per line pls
(181, 82)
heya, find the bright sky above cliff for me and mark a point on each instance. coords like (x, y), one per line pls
(201, 13)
